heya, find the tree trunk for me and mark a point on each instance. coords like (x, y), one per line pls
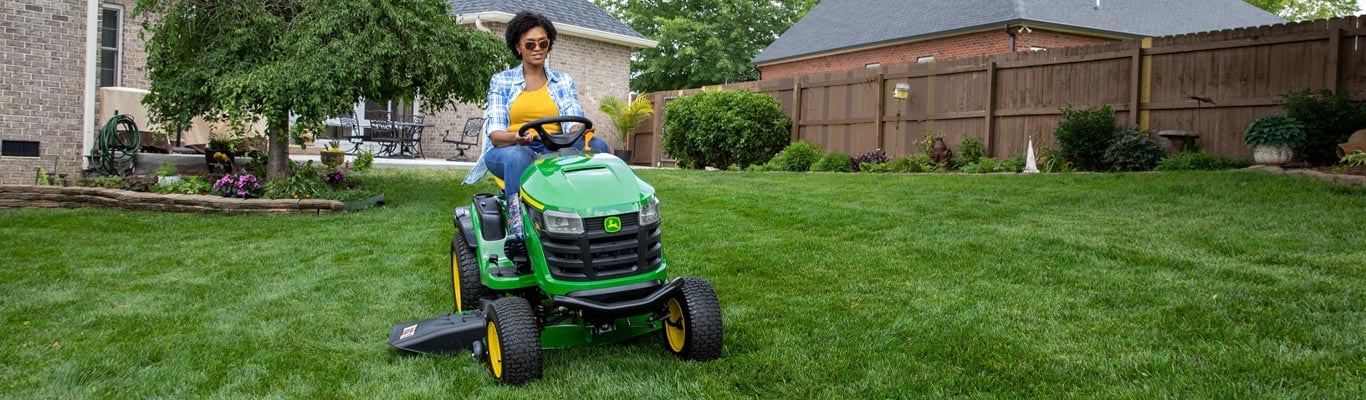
(277, 161)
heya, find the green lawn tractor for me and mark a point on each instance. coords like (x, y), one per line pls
(592, 271)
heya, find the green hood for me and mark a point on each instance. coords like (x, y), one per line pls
(590, 185)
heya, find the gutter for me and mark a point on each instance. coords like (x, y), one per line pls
(92, 19)
(565, 28)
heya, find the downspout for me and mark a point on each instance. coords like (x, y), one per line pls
(92, 19)
(1012, 38)
(480, 25)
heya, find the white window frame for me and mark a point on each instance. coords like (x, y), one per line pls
(1037, 48)
(924, 59)
(872, 65)
(118, 42)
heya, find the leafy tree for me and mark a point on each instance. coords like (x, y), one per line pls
(702, 42)
(1299, 10)
(242, 60)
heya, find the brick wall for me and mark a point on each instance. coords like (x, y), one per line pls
(42, 60)
(965, 45)
(599, 70)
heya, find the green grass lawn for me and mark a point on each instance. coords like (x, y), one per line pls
(1173, 285)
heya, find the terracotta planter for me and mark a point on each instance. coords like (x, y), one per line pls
(1271, 155)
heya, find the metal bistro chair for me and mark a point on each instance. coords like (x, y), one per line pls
(469, 137)
(410, 129)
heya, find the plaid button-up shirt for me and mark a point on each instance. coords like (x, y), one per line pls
(503, 89)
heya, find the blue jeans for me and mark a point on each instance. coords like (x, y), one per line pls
(508, 162)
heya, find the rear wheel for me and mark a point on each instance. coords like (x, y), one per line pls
(692, 330)
(465, 282)
(514, 341)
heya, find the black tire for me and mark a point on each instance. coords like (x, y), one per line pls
(514, 341)
(466, 287)
(696, 315)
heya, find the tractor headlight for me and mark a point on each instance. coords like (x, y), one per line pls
(563, 223)
(649, 214)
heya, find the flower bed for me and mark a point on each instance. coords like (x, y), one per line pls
(27, 196)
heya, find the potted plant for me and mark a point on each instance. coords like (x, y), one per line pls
(1271, 138)
(220, 154)
(626, 117)
(167, 174)
(332, 155)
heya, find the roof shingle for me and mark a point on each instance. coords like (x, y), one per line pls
(835, 25)
(572, 12)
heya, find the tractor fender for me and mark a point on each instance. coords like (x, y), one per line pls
(464, 224)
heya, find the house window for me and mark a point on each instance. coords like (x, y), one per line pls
(924, 59)
(1037, 48)
(111, 39)
(873, 66)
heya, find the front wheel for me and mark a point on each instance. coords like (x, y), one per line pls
(692, 330)
(514, 341)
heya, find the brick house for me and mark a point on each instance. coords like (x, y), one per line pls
(846, 34)
(55, 55)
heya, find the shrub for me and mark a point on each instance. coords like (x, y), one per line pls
(983, 165)
(797, 157)
(833, 162)
(1084, 135)
(1274, 130)
(306, 182)
(721, 128)
(874, 167)
(1134, 151)
(1328, 119)
(914, 163)
(969, 151)
(1200, 161)
(187, 185)
(1013, 164)
(1356, 159)
(873, 157)
(1052, 161)
(364, 161)
(926, 145)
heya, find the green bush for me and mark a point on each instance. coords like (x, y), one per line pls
(1012, 164)
(721, 128)
(306, 182)
(1200, 161)
(1274, 130)
(969, 151)
(984, 165)
(915, 163)
(364, 161)
(1134, 151)
(797, 157)
(833, 162)
(1356, 159)
(1084, 135)
(1328, 119)
(1052, 161)
(874, 167)
(187, 185)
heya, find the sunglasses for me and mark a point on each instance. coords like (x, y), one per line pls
(531, 45)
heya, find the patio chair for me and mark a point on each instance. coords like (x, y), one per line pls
(469, 137)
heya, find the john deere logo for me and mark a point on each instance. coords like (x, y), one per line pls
(611, 224)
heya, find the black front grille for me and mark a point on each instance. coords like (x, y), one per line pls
(598, 254)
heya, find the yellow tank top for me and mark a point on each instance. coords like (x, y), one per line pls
(530, 106)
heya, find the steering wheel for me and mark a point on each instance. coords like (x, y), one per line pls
(556, 142)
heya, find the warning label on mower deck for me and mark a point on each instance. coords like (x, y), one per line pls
(409, 331)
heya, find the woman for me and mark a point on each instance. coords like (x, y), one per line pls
(529, 92)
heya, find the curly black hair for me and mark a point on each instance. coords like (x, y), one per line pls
(523, 22)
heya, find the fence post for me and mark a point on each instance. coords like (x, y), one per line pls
(796, 109)
(881, 106)
(1145, 86)
(1334, 53)
(991, 110)
(1135, 85)
(657, 125)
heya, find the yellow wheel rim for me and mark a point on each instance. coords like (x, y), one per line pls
(674, 327)
(455, 279)
(495, 353)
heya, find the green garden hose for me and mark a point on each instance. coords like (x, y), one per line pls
(115, 153)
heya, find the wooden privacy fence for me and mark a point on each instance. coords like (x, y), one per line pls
(1213, 84)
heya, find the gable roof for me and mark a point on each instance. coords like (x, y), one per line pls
(590, 21)
(837, 25)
